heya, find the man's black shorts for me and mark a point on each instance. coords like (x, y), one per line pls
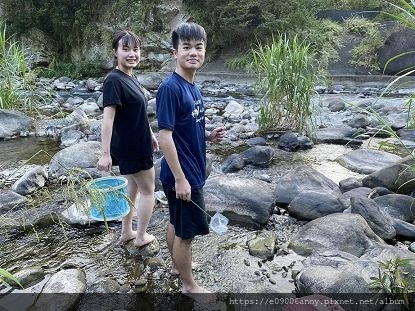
(129, 167)
(188, 219)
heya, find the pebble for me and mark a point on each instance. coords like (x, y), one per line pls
(272, 281)
(247, 262)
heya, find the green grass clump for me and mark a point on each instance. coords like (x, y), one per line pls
(285, 75)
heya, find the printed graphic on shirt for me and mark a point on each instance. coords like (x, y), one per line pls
(198, 111)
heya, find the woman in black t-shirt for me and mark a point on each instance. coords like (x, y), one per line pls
(127, 139)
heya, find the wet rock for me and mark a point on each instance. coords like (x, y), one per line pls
(309, 205)
(256, 141)
(72, 282)
(343, 273)
(27, 277)
(83, 156)
(32, 180)
(78, 214)
(233, 163)
(380, 222)
(263, 245)
(13, 122)
(301, 179)
(403, 228)
(294, 142)
(140, 286)
(149, 250)
(107, 286)
(260, 156)
(154, 263)
(396, 177)
(249, 201)
(10, 199)
(345, 232)
(341, 134)
(362, 160)
(399, 206)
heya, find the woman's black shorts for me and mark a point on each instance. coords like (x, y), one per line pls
(129, 167)
(188, 220)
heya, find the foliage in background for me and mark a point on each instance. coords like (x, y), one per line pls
(78, 70)
(393, 279)
(79, 22)
(16, 81)
(285, 76)
(365, 53)
(236, 24)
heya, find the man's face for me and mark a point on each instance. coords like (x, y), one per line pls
(190, 55)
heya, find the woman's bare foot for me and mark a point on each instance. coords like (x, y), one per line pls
(124, 238)
(147, 239)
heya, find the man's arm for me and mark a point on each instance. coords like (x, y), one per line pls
(167, 146)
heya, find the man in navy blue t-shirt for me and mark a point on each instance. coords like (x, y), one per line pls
(182, 135)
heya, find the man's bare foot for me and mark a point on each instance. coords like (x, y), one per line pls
(147, 239)
(175, 272)
(199, 294)
(124, 238)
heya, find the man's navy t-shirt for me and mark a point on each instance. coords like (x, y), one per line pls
(131, 135)
(180, 109)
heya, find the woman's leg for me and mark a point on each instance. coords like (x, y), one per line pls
(145, 183)
(127, 232)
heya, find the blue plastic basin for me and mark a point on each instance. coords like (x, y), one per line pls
(108, 197)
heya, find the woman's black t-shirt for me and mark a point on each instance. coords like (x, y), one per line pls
(131, 136)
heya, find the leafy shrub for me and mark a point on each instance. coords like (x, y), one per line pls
(15, 78)
(286, 76)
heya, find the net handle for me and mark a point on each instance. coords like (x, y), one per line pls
(201, 209)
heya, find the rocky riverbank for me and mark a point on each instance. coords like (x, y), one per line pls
(310, 217)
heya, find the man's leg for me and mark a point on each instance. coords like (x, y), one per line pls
(182, 258)
(171, 233)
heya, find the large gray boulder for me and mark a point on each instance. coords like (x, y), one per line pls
(380, 221)
(311, 205)
(77, 160)
(349, 233)
(10, 200)
(247, 201)
(397, 177)
(32, 180)
(301, 179)
(399, 206)
(334, 271)
(13, 122)
(366, 161)
(397, 43)
(71, 281)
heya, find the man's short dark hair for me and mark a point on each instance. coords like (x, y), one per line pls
(188, 32)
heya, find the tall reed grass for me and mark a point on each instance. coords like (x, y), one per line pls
(17, 90)
(285, 76)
